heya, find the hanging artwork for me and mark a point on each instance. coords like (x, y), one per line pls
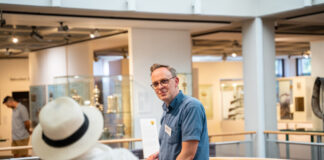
(285, 98)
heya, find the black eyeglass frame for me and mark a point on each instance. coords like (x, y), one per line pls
(161, 83)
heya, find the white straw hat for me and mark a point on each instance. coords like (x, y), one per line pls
(66, 130)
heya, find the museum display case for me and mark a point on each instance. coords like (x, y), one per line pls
(185, 83)
(232, 99)
(110, 94)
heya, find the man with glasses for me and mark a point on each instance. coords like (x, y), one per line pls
(183, 134)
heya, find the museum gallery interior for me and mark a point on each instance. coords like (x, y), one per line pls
(255, 65)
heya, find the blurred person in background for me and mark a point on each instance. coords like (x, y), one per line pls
(20, 126)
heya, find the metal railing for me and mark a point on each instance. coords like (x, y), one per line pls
(110, 141)
(249, 135)
(249, 142)
(316, 147)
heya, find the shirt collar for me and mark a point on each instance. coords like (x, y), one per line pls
(174, 103)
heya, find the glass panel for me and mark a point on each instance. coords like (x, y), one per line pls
(232, 99)
(279, 67)
(37, 100)
(110, 94)
(303, 66)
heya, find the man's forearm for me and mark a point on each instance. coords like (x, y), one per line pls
(188, 150)
(27, 126)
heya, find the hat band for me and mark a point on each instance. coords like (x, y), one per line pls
(71, 139)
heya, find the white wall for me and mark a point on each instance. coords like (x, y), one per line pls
(210, 73)
(47, 64)
(146, 47)
(10, 69)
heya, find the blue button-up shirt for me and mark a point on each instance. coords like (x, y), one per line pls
(184, 119)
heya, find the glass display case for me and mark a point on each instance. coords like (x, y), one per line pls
(232, 99)
(185, 83)
(110, 94)
(37, 99)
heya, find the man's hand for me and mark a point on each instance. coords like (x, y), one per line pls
(154, 156)
(188, 150)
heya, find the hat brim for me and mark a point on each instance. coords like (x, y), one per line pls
(74, 150)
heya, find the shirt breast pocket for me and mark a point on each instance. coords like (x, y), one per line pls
(175, 136)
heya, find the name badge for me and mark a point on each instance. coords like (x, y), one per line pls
(168, 130)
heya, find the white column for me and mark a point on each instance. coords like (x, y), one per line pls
(146, 47)
(317, 53)
(259, 80)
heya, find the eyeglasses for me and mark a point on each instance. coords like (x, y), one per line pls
(163, 82)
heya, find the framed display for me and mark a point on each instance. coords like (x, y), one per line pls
(284, 96)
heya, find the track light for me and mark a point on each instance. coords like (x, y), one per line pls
(306, 54)
(15, 40)
(63, 27)
(36, 35)
(234, 54)
(94, 34)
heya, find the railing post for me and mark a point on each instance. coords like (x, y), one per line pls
(319, 153)
(287, 147)
(238, 149)
(251, 146)
(313, 148)
(267, 143)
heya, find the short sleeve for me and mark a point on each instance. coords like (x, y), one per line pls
(192, 122)
(23, 113)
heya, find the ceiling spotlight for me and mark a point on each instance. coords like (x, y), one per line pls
(36, 35)
(63, 27)
(234, 54)
(306, 56)
(15, 40)
(92, 35)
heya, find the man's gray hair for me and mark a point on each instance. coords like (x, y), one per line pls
(171, 69)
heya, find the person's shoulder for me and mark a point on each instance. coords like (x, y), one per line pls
(192, 101)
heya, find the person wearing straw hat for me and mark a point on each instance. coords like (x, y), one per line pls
(66, 130)
(69, 131)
